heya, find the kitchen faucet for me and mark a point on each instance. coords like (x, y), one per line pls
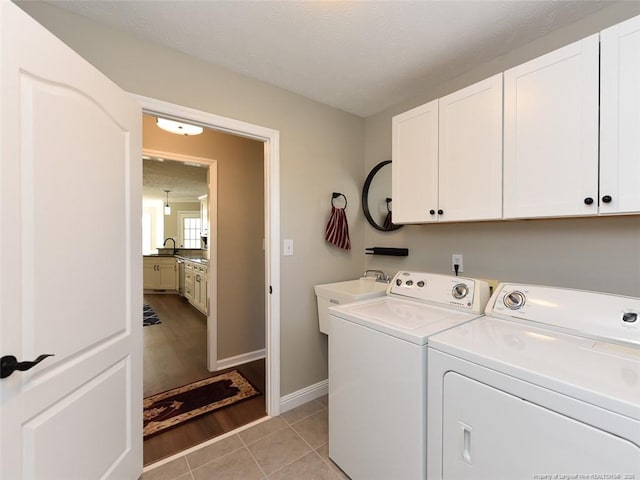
(380, 276)
(175, 250)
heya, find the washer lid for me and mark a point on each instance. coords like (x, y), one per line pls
(601, 373)
(404, 319)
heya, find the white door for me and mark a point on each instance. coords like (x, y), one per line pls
(551, 134)
(414, 171)
(620, 118)
(70, 262)
(470, 159)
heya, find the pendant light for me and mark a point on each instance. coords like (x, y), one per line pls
(167, 208)
(179, 128)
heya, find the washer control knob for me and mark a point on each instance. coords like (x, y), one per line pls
(630, 317)
(420, 283)
(514, 300)
(398, 282)
(460, 291)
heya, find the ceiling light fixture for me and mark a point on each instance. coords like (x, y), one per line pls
(179, 128)
(167, 208)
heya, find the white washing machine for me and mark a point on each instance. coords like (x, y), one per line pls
(545, 386)
(378, 372)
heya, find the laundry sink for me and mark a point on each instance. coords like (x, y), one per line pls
(345, 292)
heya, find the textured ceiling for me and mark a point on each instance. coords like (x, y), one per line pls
(186, 182)
(359, 56)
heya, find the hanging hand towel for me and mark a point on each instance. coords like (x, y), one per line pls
(337, 231)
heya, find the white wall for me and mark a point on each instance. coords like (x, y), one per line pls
(321, 151)
(591, 253)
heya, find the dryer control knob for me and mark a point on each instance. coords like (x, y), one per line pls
(514, 300)
(460, 291)
(398, 282)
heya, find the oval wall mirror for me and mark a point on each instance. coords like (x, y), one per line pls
(377, 203)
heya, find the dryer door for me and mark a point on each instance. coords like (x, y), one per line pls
(490, 434)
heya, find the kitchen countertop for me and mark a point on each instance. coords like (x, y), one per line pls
(202, 261)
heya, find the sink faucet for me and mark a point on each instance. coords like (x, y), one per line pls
(175, 250)
(380, 276)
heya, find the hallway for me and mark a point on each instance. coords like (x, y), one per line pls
(175, 353)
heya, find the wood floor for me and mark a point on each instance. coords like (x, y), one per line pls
(175, 353)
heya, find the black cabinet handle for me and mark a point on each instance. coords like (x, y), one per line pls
(9, 364)
(432, 211)
(607, 199)
(440, 212)
(588, 201)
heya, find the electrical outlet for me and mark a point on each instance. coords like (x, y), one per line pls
(456, 259)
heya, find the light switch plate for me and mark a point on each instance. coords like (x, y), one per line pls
(287, 247)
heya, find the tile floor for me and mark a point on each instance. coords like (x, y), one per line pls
(291, 446)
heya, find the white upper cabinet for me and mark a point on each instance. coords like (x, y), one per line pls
(470, 160)
(620, 118)
(551, 134)
(447, 157)
(414, 175)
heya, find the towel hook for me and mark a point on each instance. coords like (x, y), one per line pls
(335, 195)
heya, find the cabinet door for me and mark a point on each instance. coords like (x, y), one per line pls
(620, 118)
(551, 134)
(167, 274)
(414, 171)
(470, 160)
(149, 274)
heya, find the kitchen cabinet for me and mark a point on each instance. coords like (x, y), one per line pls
(619, 118)
(159, 273)
(204, 215)
(414, 170)
(196, 285)
(447, 157)
(551, 133)
(189, 277)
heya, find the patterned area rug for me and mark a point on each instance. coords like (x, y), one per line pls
(174, 407)
(149, 317)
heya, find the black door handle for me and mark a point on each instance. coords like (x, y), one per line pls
(9, 364)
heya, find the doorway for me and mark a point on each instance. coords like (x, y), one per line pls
(270, 141)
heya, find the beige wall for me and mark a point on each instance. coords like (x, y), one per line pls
(321, 151)
(171, 222)
(240, 229)
(590, 253)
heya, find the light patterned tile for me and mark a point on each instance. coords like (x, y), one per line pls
(309, 467)
(278, 449)
(314, 429)
(302, 411)
(323, 451)
(237, 465)
(262, 430)
(168, 471)
(214, 451)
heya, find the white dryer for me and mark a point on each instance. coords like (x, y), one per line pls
(545, 386)
(378, 372)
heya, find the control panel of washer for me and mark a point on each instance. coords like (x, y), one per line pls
(464, 293)
(591, 314)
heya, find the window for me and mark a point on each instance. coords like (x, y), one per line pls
(191, 230)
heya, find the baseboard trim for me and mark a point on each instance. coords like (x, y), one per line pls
(240, 359)
(304, 395)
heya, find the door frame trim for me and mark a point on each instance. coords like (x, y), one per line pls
(271, 139)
